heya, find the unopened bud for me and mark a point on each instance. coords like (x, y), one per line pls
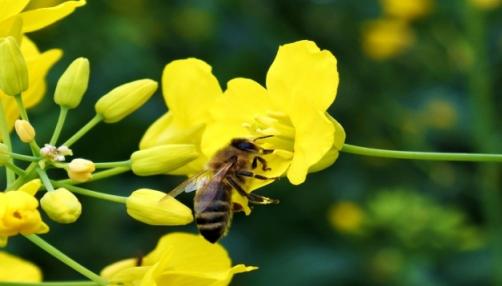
(162, 159)
(157, 208)
(125, 99)
(24, 130)
(61, 205)
(80, 170)
(4, 154)
(73, 84)
(13, 70)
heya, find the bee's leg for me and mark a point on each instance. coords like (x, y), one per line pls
(252, 175)
(262, 137)
(253, 198)
(263, 162)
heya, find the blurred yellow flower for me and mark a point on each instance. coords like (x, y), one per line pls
(19, 212)
(440, 114)
(15, 269)
(406, 9)
(486, 4)
(386, 38)
(178, 259)
(346, 217)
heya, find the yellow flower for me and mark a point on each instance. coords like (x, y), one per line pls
(346, 217)
(72, 84)
(61, 205)
(406, 9)
(162, 159)
(15, 269)
(386, 38)
(189, 88)
(125, 99)
(13, 70)
(19, 213)
(178, 259)
(301, 84)
(24, 130)
(486, 4)
(80, 170)
(157, 208)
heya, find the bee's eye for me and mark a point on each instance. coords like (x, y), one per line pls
(243, 144)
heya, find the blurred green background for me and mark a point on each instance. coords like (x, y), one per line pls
(362, 221)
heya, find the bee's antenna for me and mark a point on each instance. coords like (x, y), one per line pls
(262, 137)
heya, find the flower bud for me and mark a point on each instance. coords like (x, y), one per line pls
(13, 70)
(72, 84)
(24, 130)
(125, 99)
(162, 159)
(61, 206)
(157, 208)
(4, 154)
(80, 170)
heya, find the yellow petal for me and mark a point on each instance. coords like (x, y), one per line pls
(189, 88)
(165, 130)
(111, 270)
(331, 156)
(15, 269)
(31, 187)
(313, 139)
(10, 8)
(38, 67)
(302, 73)
(12, 27)
(39, 18)
(243, 100)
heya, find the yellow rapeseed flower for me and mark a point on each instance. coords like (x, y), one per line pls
(301, 85)
(406, 9)
(16, 269)
(178, 259)
(19, 212)
(80, 170)
(61, 205)
(386, 38)
(346, 217)
(13, 69)
(162, 159)
(14, 21)
(24, 130)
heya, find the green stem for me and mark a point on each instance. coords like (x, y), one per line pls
(93, 122)
(91, 193)
(23, 157)
(98, 175)
(65, 259)
(55, 283)
(413, 155)
(126, 163)
(45, 179)
(63, 112)
(16, 169)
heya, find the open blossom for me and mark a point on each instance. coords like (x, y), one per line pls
(14, 21)
(301, 84)
(16, 269)
(19, 212)
(178, 259)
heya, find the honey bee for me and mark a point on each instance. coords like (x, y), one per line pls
(228, 170)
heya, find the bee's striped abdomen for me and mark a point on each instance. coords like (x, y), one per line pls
(214, 218)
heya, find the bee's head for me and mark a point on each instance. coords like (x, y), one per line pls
(244, 145)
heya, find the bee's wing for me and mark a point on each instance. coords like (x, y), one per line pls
(191, 184)
(214, 189)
